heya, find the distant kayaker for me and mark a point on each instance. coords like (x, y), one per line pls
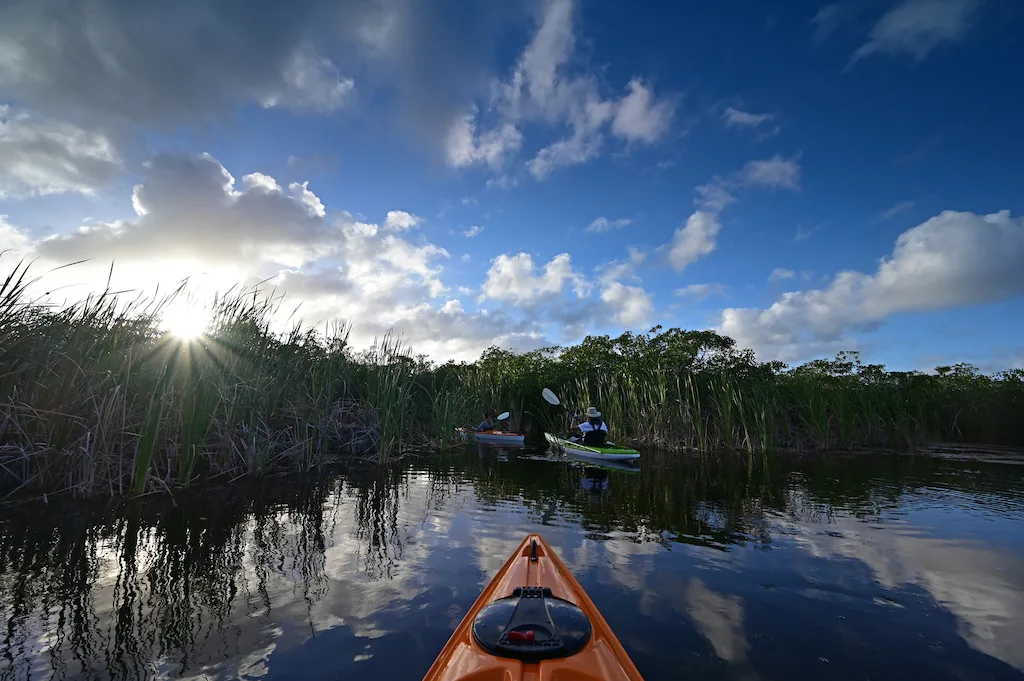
(490, 421)
(593, 431)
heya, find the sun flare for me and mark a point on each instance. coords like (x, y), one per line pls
(185, 320)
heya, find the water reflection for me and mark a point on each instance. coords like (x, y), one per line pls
(726, 568)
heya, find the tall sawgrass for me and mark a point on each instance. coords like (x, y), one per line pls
(97, 398)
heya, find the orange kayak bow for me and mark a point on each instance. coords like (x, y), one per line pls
(533, 622)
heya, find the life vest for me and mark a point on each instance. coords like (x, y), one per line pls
(595, 437)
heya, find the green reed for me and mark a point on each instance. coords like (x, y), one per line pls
(95, 398)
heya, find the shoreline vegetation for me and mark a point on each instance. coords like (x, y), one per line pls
(97, 400)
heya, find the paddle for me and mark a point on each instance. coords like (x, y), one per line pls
(500, 417)
(551, 398)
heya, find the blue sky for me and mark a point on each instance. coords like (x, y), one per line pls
(803, 176)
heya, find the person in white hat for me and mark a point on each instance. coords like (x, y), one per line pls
(593, 431)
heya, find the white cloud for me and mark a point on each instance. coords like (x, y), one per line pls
(714, 196)
(195, 220)
(603, 224)
(40, 157)
(916, 27)
(781, 274)
(720, 619)
(473, 231)
(774, 173)
(543, 291)
(826, 21)
(898, 208)
(696, 239)
(639, 118)
(579, 148)
(465, 148)
(190, 206)
(516, 278)
(11, 238)
(980, 585)
(701, 292)
(452, 307)
(631, 306)
(618, 270)
(951, 260)
(310, 83)
(543, 89)
(550, 48)
(400, 221)
(734, 118)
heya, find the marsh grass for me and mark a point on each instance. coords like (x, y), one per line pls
(97, 399)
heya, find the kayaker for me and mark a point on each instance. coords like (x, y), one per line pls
(490, 421)
(593, 431)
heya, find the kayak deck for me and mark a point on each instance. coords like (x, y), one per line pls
(534, 564)
(494, 436)
(610, 452)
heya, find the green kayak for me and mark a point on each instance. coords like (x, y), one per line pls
(610, 452)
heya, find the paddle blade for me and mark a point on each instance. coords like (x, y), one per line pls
(503, 415)
(550, 397)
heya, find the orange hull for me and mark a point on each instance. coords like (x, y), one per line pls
(534, 564)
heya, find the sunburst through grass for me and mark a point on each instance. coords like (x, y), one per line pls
(107, 397)
(185, 319)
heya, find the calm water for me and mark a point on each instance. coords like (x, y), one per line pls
(841, 568)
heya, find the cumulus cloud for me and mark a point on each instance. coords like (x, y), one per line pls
(916, 27)
(603, 224)
(781, 274)
(639, 118)
(562, 294)
(631, 306)
(714, 196)
(40, 156)
(473, 231)
(11, 238)
(543, 88)
(190, 206)
(699, 236)
(951, 260)
(775, 173)
(516, 278)
(311, 83)
(194, 220)
(694, 240)
(399, 221)
(464, 147)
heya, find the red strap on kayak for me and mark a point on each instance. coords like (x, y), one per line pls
(520, 636)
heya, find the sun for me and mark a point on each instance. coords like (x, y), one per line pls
(185, 320)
